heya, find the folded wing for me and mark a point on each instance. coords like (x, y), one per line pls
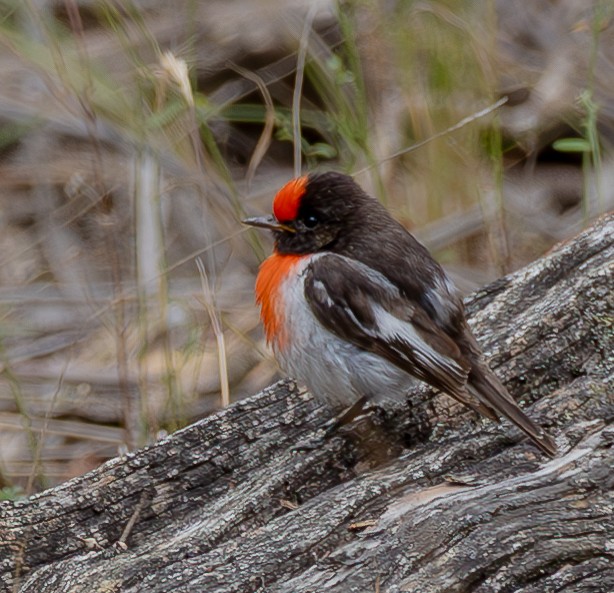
(370, 312)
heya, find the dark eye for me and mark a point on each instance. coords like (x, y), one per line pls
(310, 221)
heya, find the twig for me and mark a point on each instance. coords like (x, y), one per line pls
(145, 496)
(461, 124)
(37, 462)
(269, 123)
(209, 304)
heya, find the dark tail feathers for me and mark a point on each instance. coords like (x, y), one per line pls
(490, 392)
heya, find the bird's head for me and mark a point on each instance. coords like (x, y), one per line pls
(314, 212)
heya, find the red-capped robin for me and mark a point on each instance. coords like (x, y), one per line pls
(356, 308)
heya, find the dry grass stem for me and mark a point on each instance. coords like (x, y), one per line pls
(216, 325)
(298, 90)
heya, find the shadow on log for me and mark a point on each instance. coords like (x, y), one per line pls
(431, 500)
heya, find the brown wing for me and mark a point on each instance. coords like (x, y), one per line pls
(363, 307)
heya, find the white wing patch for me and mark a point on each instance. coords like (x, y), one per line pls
(393, 329)
(319, 286)
(444, 296)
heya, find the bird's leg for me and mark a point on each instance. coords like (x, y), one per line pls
(345, 417)
(348, 415)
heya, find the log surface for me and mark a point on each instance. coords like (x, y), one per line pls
(427, 499)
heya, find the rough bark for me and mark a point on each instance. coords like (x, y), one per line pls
(431, 499)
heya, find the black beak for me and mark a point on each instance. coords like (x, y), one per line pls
(268, 222)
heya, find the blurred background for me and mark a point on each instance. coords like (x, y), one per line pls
(134, 136)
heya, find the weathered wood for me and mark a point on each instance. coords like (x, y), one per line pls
(227, 505)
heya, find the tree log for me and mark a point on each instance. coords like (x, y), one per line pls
(428, 499)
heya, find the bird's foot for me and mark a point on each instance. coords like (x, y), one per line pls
(331, 427)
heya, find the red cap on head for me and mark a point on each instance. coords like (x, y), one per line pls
(288, 199)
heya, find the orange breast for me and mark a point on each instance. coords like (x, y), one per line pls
(273, 271)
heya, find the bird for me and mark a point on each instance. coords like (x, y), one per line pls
(356, 308)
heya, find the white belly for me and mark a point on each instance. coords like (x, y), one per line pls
(334, 370)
